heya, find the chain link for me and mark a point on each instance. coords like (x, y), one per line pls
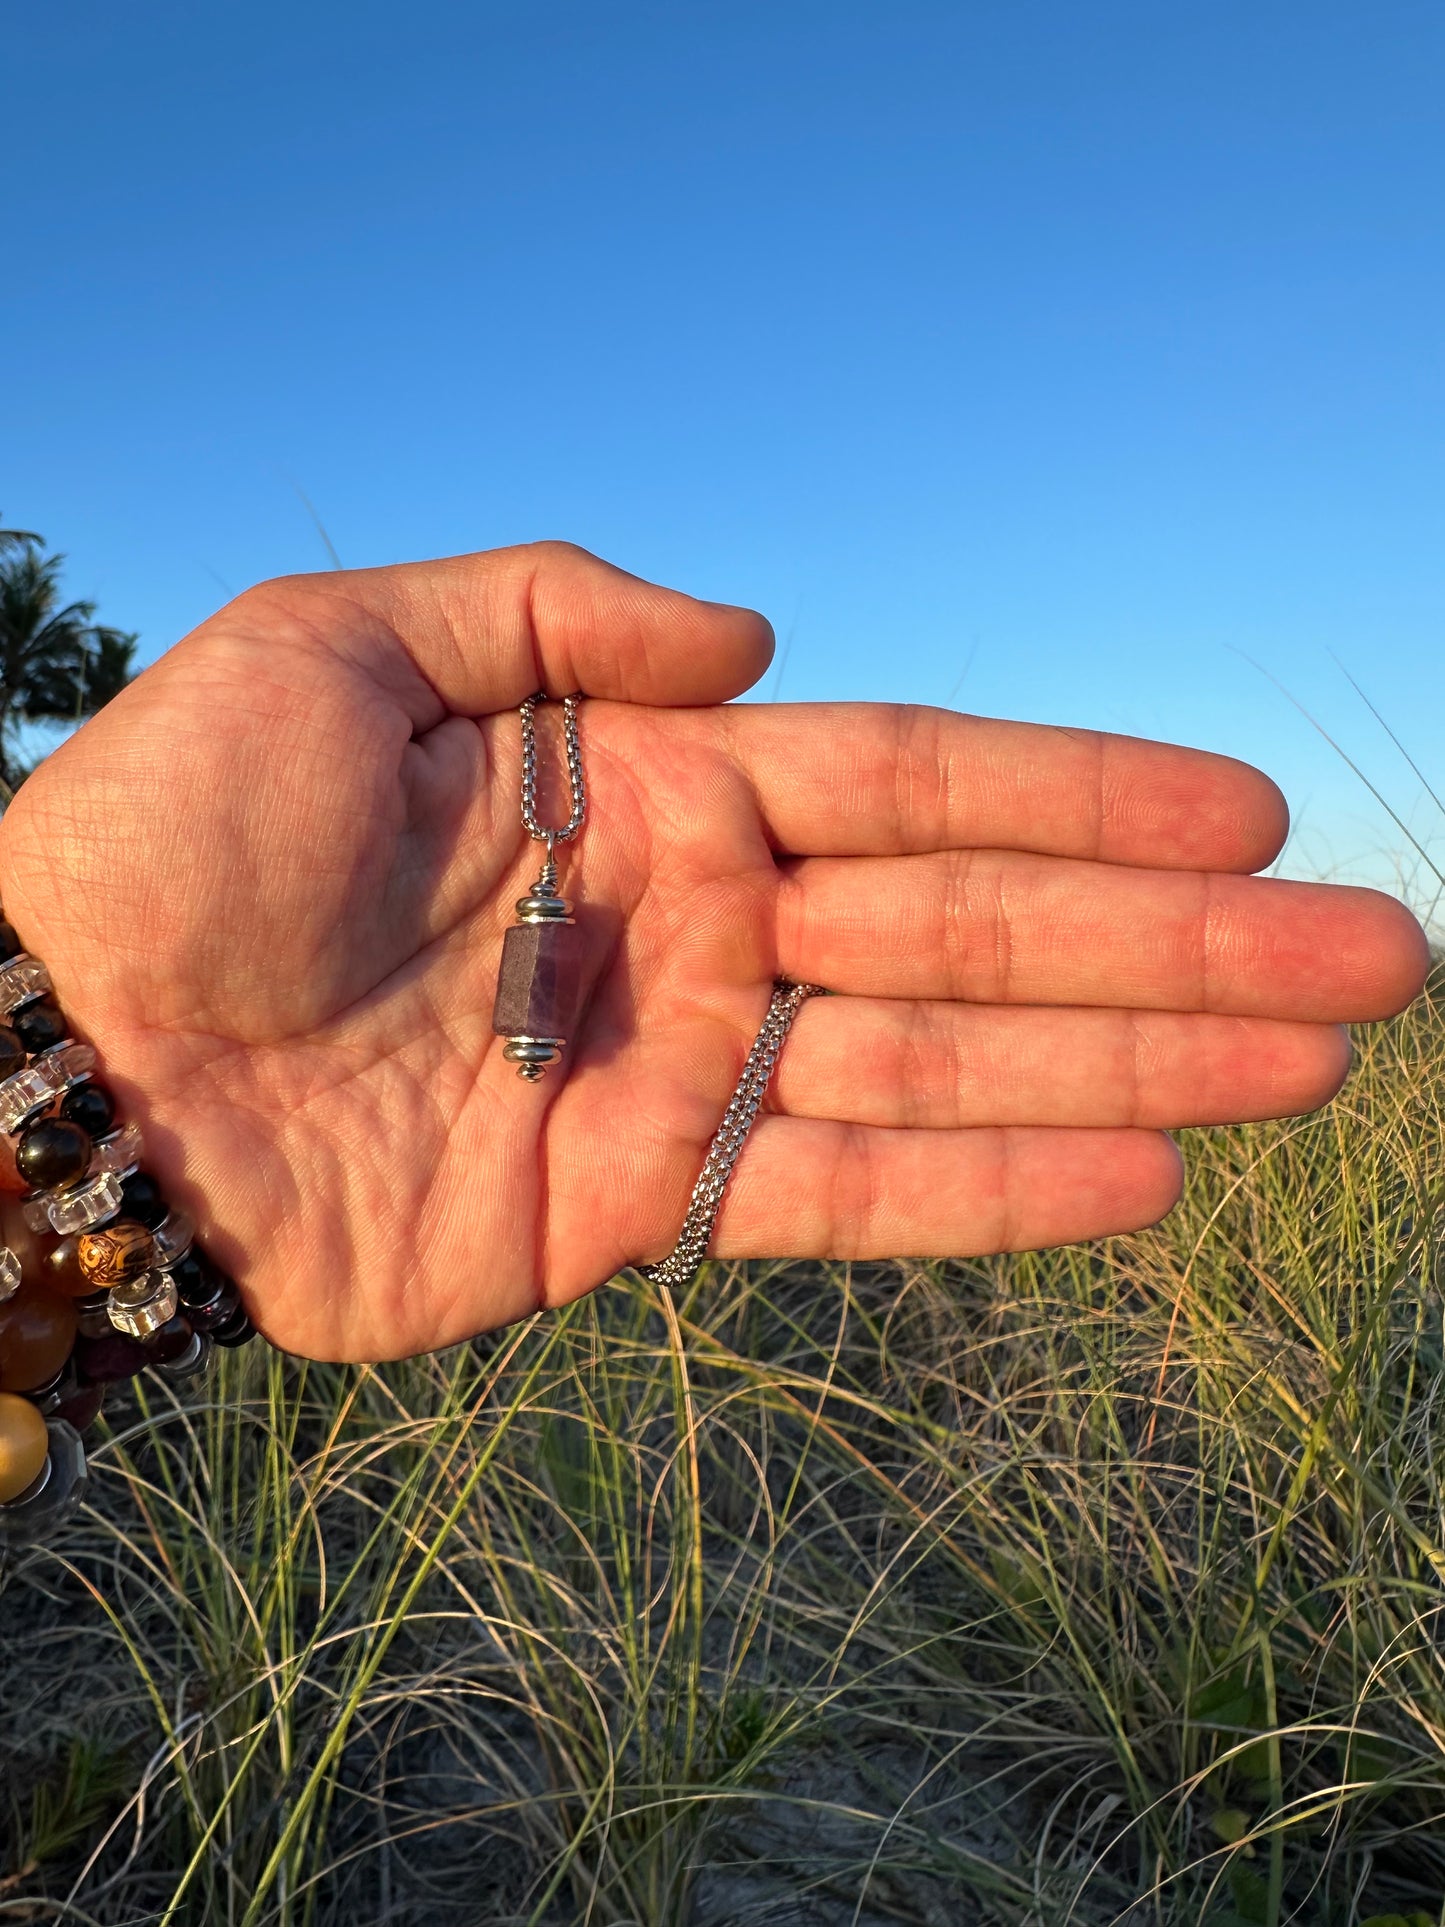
(529, 771)
(681, 1264)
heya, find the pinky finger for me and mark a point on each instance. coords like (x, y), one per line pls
(813, 1188)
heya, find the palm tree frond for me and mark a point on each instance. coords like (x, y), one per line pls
(19, 539)
(56, 663)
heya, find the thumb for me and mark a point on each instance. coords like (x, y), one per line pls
(487, 630)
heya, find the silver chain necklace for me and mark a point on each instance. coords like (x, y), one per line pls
(540, 990)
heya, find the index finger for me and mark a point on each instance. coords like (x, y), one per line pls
(885, 779)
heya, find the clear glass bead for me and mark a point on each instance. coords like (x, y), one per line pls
(38, 1083)
(88, 1203)
(119, 1152)
(57, 1492)
(21, 978)
(173, 1238)
(36, 1212)
(9, 1273)
(142, 1306)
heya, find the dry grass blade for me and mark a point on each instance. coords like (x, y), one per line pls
(1095, 1586)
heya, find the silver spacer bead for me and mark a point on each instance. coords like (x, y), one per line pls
(532, 1055)
(539, 908)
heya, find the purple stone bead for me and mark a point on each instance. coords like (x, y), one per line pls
(106, 1361)
(539, 987)
(82, 1408)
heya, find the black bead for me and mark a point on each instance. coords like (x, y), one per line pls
(197, 1279)
(12, 1052)
(40, 1025)
(237, 1330)
(49, 1398)
(10, 944)
(91, 1106)
(219, 1311)
(140, 1198)
(170, 1341)
(52, 1152)
(92, 1315)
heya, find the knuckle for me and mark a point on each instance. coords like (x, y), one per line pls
(554, 552)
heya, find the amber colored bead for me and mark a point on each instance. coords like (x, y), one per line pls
(12, 1052)
(116, 1253)
(10, 944)
(37, 1330)
(40, 1025)
(53, 1152)
(24, 1445)
(60, 1270)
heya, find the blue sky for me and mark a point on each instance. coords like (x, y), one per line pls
(1050, 360)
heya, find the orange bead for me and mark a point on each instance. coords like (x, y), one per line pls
(60, 1270)
(37, 1330)
(24, 1443)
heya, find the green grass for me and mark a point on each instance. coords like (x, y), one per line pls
(1103, 1585)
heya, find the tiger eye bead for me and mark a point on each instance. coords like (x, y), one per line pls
(24, 1445)
(115, 1254)
(40, 1025)
(12, 1052)
(53, 1152)
(37, 1330)
(90, 1105)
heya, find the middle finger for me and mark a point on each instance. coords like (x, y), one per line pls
(1006, 927)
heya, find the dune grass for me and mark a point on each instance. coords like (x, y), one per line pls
(1103, 1585)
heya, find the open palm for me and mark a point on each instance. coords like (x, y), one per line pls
(271, 881)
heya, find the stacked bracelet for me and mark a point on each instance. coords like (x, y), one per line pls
(117, 1284)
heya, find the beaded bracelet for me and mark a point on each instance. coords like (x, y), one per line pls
(117, 1284)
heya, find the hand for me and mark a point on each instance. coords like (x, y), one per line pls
(272, 877)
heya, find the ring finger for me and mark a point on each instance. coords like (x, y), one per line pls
(946, 1066)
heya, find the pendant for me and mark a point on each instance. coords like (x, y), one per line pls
(539, 986)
